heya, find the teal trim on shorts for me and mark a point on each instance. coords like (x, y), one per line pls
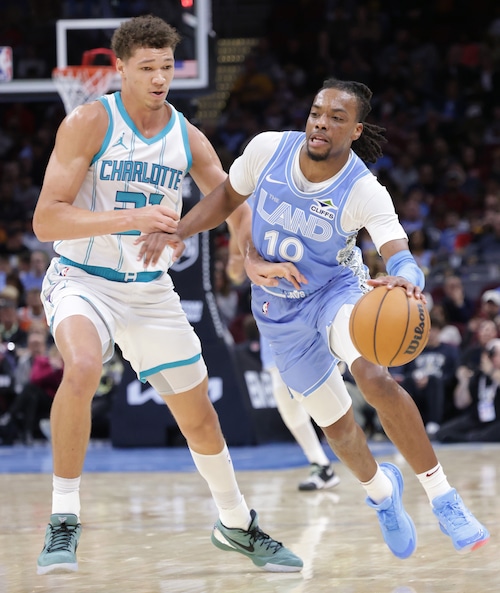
(169, 365)
(111, 274)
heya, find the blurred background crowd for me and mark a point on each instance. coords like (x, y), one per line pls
(434, 69)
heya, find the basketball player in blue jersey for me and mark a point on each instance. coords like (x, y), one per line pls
(116, 171)
(294, 416)
(311, 194)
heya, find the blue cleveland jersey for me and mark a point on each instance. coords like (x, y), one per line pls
(303, 227)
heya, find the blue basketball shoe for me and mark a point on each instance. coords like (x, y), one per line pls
(456, 521)
(396, 525)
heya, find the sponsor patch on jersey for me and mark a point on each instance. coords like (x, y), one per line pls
(324, 208)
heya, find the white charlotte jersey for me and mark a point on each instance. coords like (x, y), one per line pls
(129, 171)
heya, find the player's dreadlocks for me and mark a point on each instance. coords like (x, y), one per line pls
(368, 145)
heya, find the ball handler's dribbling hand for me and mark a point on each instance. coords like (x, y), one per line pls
(392, 281)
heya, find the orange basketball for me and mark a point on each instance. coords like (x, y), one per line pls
(388, 328)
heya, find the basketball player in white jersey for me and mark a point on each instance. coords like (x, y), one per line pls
(116, 171)
(311, 194)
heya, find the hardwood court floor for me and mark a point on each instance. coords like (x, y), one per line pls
(149, 532)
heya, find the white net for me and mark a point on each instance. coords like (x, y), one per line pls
(81, 84)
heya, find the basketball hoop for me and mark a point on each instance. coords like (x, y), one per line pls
(81, 84)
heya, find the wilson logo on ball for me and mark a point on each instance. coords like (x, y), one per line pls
(419, 332)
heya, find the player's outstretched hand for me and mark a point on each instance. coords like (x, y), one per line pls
(264, 273)
(392, 281)
(153, 244)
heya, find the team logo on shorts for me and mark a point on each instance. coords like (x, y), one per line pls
(64, 271)
(265, 308)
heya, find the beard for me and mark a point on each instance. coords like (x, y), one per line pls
(318, 157)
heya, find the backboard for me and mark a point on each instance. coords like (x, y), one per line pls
(74, 36)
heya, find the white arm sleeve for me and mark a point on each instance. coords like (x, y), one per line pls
(370, 205)
(246, 169)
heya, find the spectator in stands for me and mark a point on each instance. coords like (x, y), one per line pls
(38, 342)
(252, 88)
(430, 378)
(426, 181)
(27, 194)
(14, 286)
(14, 247)
(454, 238)
(11, 211)
(479, 397)
(365, 414)
(411, 215)
(404, 173)
(7, 366)
(470, 161)
(231, 135)
(102, 403)
(449, 334)
(486, 331)
(226, 295)
(38, 264)
(451, 197)
(457, 306)
(489, 308)
(24, 192)
(5, 270)
(34, 400)
(420, 246)
(10, 332)
(32, 310)
(37, 345)
(491, 135)
(488, 244)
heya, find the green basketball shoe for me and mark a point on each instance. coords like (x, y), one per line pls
(263, 551)
(61, 540)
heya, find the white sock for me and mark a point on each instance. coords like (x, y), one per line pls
(218, 472)
(434, 482)
(379, 487)
(66, 495)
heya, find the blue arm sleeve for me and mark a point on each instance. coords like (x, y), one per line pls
(403, 264)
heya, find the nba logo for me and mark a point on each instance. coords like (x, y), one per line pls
(5, 63)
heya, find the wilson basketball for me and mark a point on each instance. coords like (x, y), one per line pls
(388, 327)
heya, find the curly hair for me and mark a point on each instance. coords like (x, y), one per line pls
(143, 31)
(368, 145)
